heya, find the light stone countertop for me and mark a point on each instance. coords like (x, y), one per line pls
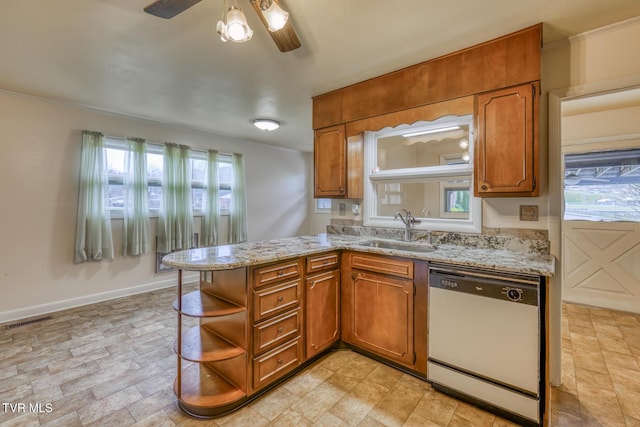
(262, 252)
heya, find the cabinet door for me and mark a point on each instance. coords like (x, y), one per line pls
(330, 162)
(323, 311)
(383, 316)
(506, 155)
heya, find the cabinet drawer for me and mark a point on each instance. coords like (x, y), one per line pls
(321, 262)
(273, 365)
(384, 265)
(275, 299)
(273, 332)
(275, 273)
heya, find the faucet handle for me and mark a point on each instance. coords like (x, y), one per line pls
(410, 218)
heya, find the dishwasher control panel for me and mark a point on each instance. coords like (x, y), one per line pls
(508, 287)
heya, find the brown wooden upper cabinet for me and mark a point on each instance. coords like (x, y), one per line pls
(337, 164)
(506, 150)
(507, 118)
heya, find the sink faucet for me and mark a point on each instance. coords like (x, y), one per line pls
(407, 220)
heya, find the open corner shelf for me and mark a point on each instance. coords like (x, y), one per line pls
(201, 345)
(203, 304)
(204, 389)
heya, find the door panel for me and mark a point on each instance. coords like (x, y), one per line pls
(383, 316)
(601, 264)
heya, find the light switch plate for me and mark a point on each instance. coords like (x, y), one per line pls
(528, 212)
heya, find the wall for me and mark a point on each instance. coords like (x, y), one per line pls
(39, 169)
(596, 61)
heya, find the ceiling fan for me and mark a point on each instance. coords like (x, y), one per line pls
(285, 37)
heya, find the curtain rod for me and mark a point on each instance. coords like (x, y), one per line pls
(161, 144)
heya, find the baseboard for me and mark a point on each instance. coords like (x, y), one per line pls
(52, 307)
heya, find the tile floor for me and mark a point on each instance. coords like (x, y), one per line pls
(111, 364)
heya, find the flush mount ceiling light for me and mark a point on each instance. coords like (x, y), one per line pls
(233, 25)
(266, 124)
(429, 131)
(274, 15)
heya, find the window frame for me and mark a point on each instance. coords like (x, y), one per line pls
(111, 142)
(438, 173)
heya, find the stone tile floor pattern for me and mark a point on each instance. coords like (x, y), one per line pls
(112, 364)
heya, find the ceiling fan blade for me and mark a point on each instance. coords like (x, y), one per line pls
(169, 8)
(286, 38)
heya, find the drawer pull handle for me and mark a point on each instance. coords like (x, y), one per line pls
(280, 299)
(325, 262)
(280, 273)
(280, 361)
(280, 330)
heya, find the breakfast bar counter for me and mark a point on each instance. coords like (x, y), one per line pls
(267, 251)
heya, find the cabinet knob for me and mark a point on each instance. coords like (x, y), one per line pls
(341, 189)
(280, 361)
(280, 330)
(484, 187)
(280, 273)
(280, 299)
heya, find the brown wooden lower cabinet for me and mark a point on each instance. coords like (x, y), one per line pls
(272, 365)
(383, 316)
(278, 344)
(272, 332)
(323, 311)
(259, 324)
(378, 306)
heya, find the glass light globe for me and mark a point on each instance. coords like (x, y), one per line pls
(237, 27)
(275, 17)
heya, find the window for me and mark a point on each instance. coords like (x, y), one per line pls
(115, 153)
(426, 169)
(602, 186)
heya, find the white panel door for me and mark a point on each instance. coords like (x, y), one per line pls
(601, 264)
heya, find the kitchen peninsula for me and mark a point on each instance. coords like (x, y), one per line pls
(266, 309)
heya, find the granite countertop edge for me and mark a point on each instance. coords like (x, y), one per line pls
(247, 254)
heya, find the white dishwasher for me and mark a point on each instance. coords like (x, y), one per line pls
(485, 339)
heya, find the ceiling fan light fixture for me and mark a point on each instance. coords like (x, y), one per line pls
(234, 26)
(266, 124)
(275, 16)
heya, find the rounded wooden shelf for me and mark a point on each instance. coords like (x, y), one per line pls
(201, 345)
(204, 390)
(202, 304)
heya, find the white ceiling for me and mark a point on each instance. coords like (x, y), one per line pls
(110, 55)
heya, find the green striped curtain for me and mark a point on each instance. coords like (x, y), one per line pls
(238, 208)
(135, 231)
(175, 224)
(93, 222)
(209, 226)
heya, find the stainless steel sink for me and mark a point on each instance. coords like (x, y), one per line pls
(384, 244)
